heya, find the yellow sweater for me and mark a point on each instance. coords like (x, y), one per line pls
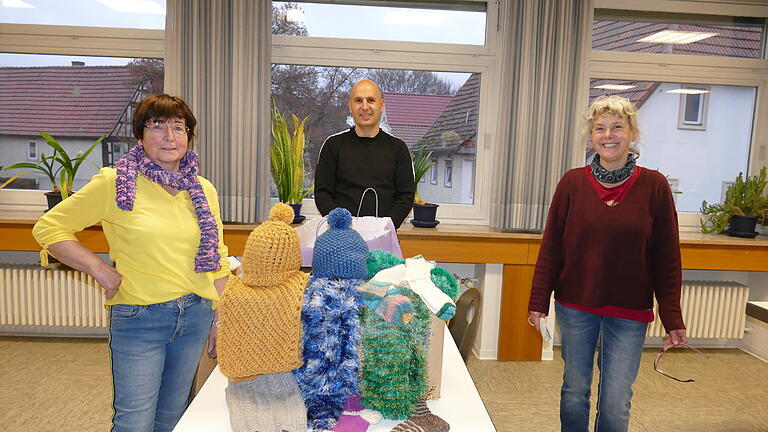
(153, 246)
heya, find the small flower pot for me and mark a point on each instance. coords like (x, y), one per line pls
(742, 226)
(297, 217)
(53, 198)
(424, 215)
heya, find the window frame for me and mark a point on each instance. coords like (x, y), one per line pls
(77, 41)
(692, 70)
(701, 124)
(448, 175)
(437, 57)
(30, 145)
(433, 173)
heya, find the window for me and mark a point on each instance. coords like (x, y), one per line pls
(693, 107)
(448, 179)
(423, 22)
(433, 172)
(32, 150)
(448, 52)
(673, 33)
(72, 90)
(139, 14)
(724, 189)
(698, 161)
(432, 110)
(704, 140)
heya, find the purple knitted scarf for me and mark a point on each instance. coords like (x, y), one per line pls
(136, 161)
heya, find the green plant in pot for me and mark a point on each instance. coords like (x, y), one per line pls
(423, 213)
(745, 205)
(60, 168)
(287, 161)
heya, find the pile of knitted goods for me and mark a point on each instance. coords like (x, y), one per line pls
(259, 341)
(330, 317)
(394, 345)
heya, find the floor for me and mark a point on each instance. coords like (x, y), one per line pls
(64, 385)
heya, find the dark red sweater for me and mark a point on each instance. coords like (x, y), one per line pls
(595, 255)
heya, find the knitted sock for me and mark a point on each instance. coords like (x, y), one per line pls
(422, 420)
(270, 402)
(355, 417)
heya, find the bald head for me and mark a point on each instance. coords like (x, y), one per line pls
(366, 103)
(366, 83)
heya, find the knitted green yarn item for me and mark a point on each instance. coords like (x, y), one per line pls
(379, 260)
(447, 282)
(393, 372)
(394, 369)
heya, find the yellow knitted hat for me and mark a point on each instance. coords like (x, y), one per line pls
(272, 252)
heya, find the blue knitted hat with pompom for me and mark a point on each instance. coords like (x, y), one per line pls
(340, 252)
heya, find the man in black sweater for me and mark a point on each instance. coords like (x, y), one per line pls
(364, 157)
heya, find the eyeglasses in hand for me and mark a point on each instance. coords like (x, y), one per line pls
(661, 354)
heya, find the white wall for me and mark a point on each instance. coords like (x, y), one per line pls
(460, 190)
(700, 159)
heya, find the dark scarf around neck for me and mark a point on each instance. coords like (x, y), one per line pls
(616, 176)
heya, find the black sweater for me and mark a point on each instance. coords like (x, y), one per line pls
(348, 164)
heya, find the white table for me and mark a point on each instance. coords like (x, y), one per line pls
(459, 404)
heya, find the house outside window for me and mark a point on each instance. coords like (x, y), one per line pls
(32, 150)
(699, 161)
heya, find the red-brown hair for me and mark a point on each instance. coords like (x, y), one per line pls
(163, 107)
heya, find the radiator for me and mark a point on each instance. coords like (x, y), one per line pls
(711, 310)
(35, 300)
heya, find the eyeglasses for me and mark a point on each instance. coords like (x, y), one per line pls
(661, 354)
(158, 128)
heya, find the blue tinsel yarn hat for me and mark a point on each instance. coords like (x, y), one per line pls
(340, 252)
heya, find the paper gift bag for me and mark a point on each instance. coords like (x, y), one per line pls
(377, 232)
(435, 356)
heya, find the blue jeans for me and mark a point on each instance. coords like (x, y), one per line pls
(621, 346)
(155, 350)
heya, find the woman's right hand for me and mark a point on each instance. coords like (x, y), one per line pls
(534, 319)
(109, 278)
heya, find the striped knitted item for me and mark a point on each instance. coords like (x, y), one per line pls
(331, 337)
(268, 403)
(422, 420)
(384, 298)
(394, 367)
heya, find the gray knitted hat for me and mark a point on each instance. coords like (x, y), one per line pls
(268, 403)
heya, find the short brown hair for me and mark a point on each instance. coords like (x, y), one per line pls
(162, 106)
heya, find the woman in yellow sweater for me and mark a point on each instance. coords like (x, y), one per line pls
(162, 223)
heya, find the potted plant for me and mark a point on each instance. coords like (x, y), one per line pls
(59, 167)
(745, 205)
(423, 213)
(287, 161)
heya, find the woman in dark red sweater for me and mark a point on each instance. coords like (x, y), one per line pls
(611, 243)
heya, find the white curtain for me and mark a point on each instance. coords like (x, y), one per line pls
(217, 58)
(545, 75)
